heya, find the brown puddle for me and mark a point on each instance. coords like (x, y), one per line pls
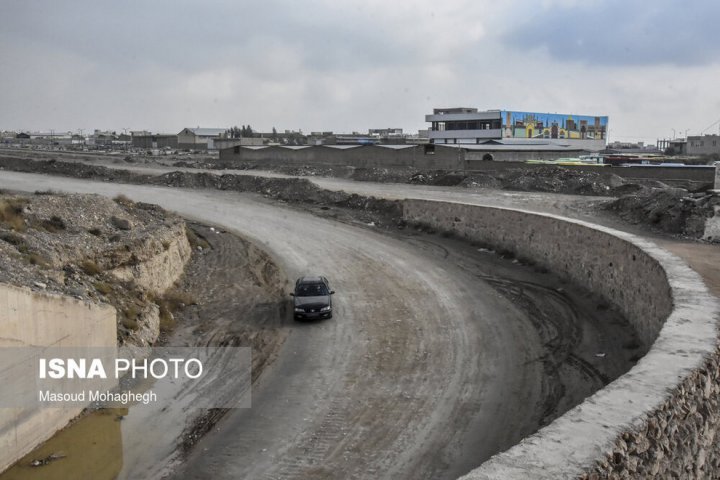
(91, 447)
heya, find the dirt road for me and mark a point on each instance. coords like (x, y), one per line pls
(425, 371)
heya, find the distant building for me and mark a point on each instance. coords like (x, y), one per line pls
(221, 143)
(677, 146)
(199, 138)
(465, 125)
(101, 138)
(145, 139)
(320, 138)
(631, 147)
(386, 132)
(703, 145)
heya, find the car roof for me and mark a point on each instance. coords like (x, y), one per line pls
(311, 279)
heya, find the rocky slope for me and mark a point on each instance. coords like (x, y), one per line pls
(99, 250)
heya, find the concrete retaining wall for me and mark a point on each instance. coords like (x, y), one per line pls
(662, 416)
(29, 318)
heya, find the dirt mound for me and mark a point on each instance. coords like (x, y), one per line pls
(312, 171)
(544, 179)
(70, 169)
(438, 177)
(672, 210)
(383, 175)
(561, 180)
(481, 180)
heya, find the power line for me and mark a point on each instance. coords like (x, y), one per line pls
(711, 125)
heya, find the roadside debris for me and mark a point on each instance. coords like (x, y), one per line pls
(47, 460)
(672, 210)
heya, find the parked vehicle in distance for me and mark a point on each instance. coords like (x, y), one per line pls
(312, 298)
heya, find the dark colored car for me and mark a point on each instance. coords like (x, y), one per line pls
(313, 298)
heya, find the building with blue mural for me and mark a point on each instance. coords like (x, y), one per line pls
(512, 128)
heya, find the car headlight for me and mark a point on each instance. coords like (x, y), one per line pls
(326, 309)
(298, 309)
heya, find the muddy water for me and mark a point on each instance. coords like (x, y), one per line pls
(142, 441)
(92, 447)
(112, 443)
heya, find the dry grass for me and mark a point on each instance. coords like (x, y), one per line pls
(195, 240)
(36, 259)
(130, 316)
(173, 301)
(130, 323)
(12, 239)
(90, 267)
(54, 224)
(103, 287)
(123, 200)
(11, 210)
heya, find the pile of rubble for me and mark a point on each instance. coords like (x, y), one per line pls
(560, 180)
(672, 210)
(541, 179)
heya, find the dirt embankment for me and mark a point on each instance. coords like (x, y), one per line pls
(678, 211)
(97, 250)
(294, 190)
(239, 299)
(670, 210)
(543, 179)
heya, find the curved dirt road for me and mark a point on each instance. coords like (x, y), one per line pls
(424, 372)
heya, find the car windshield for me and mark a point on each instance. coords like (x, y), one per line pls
(311, 290)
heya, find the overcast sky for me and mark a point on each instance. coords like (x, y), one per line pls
(162, 65)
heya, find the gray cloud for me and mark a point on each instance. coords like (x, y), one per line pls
(351, 65)
(623, 32)
(187, 35)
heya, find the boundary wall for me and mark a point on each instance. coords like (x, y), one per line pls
(442, 158)
(659, 419)
(363, 156)
(30, 318)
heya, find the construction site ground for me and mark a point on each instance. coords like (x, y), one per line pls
(387, 385)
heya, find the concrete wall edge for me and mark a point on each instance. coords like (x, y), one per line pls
(584, 437)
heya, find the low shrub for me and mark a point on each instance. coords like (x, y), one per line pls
(11, 214)
(90, 267)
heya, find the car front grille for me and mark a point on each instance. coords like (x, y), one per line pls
(312, 308)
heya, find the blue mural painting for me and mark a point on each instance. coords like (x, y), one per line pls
(553, 125)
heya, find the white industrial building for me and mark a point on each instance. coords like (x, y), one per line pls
(513, 128)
